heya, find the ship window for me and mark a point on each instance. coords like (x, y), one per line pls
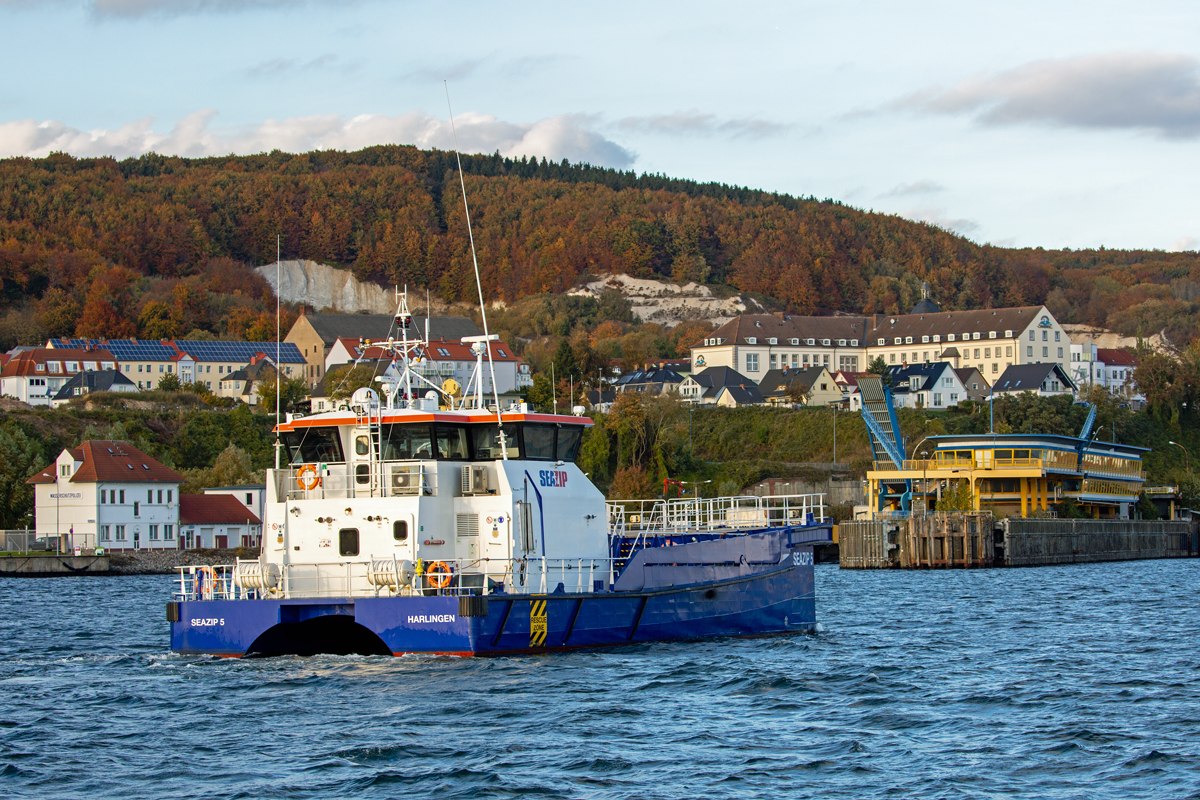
(568, 442)
(406, 442)
(362, 445)
(362, 473)
(400, 530)
(539, 442)
(452, 443)
(314, 446)
(486, 439)
(348, 542)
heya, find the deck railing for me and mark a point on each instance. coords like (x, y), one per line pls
(246, 579)
(631, 517)
(339, 482)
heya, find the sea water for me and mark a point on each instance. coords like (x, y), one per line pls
(1074, 681)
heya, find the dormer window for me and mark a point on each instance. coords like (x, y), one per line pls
(40, 367)
(757, 323)
(795, 342)
(991, 334)
(908, 340)
(937, 337)
(950, 337)
(924, 340)
(751, 340)
(825, 342)
(72, 366)
(976, 335)
(854, 342)
(898, 340)
(55, 366)
(882, 342)
(841, 342)
(772, 340)
(810, 342)
(1008, 334)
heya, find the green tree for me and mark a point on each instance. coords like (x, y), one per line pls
(956, 497)
(169, 383)
(880, 367)
(20, 458)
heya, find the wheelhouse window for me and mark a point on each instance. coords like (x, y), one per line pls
(486, 440)
(314, 446)
(568, 442)
(407, 442)
(539, 442)
(452, 443)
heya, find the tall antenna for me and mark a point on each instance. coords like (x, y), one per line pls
(478, 283)
(278, 371)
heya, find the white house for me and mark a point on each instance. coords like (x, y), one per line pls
(251, 495)
(934, 386)
(1044, 380)
(107, 494)
(217, 521)
(34, 376)
(445, 358)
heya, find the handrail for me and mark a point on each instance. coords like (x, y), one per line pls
(639, 517)
(349, 579)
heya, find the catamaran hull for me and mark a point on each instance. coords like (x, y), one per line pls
(774, 601)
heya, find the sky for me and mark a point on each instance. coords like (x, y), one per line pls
(1020, 124)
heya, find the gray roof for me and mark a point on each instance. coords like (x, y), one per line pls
(776, 381)
(744, 395)
(1030, 377)
(331, 327)
(916, 377)
(716, 377)
(96, 381)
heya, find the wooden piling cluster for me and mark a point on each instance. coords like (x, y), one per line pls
(946, 540)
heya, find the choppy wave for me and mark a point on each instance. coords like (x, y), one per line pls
(1071, 682)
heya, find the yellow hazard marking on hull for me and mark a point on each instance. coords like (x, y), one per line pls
(537, 623)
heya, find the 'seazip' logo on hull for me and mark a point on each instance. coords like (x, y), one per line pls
(553, 478)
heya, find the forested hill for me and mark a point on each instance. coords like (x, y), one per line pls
(155, 246)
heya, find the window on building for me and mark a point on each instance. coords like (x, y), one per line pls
(106, 533)
(937, 398)
(122, 495)
(160, 497)
(249, 499)
(139, 367)
(154, 533)
(752, 362)
(103, 492)
(1045, 335)
(136, 507)
(773, 360)
(168, 495)
(892, 358)
(120, 533)
(1029, 351)
(1045, 352)
(795, 359)
(1060, 352)
(1031, 336)
(977, 352)
(1056, 336)
(825, 360)
(168, 532)
(953, 397)
(987, 352)
(149, 496)
(995, 367)
(64, 470)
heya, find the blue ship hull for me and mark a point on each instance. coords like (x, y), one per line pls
(743, 597)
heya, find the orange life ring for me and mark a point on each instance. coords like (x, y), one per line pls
(307, 478)
(438, 574)
(206, 582)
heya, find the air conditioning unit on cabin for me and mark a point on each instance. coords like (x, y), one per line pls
(474, 480)
(406, 480)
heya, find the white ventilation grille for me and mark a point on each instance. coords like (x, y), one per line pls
(466, 525)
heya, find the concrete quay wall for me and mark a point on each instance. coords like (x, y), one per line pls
(43, 566)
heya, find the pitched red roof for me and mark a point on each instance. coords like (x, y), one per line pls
(1115, 358)
(213, 509)
(27, 362)
(120, 461)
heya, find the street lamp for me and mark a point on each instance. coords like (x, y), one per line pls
(1187, 457)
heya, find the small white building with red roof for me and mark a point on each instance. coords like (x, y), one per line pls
(107, 494)
(217, 521)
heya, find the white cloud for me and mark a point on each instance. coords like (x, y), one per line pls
(1185, 243)
(937, 216)
(564, 136)
(695, 122)
(916, 187)
(176, 8)
(1150, 91)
